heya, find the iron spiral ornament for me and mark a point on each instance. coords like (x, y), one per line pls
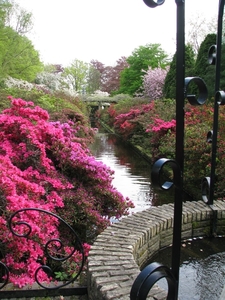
(148, 277)
(53, 248)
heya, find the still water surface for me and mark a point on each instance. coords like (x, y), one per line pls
(202, 269)
(132, 173)
(202, 272)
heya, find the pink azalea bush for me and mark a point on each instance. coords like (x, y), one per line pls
(45, 165)
(126, 123)
(162, 126)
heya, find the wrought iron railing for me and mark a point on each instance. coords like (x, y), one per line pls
(154, 272)
(55, 258)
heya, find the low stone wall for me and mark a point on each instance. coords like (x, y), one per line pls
(124, 248)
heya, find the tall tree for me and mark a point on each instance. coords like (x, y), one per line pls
(76, 75)
(153, 82)
(93, 80)
(5, 7)
(143, 57)
(18, 58)
(111, 75)
(198, 29)
(169, 88)
(202, 67)
(98, 65)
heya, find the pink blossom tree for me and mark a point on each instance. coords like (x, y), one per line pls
(153, 82)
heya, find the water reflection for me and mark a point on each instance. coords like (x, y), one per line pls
(202, 269)
(205, 278)
(132, 173)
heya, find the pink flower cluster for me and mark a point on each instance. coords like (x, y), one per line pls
(126, 123)
(161, 125)
(44, 166)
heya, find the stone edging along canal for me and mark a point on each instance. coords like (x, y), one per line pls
(118, 254)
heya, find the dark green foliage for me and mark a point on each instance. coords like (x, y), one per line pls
(169, 89)
(170, 81)
(222, 74)
(202, 67)
(202, 64)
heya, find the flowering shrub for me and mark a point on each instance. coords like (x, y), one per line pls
(162, 126)
(46, 82)
(122, 123)
(44, 165)
(125, 124)
(152, 128)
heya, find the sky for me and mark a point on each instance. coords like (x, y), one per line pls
(65, 30)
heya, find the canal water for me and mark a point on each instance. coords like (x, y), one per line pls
(132, 177)
(202, 270)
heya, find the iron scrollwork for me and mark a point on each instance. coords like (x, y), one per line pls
(148, 277)
(202, 91)
(159, 173)
(153, 3)
(53, 248)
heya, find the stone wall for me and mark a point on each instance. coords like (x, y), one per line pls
(124, 248)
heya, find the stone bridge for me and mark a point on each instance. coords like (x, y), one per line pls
(125, 247)
(99, 102)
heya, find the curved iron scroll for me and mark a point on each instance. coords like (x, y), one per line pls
(153, 3)
(148, 277)
(58, 257)
(202, 89)
(160, 176)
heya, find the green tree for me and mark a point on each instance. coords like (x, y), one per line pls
(6, 8)
(202, 67)
(93, 80)
(18, 58)
(170, 81)
(16, 17)
(76, 75)
(143, 57)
